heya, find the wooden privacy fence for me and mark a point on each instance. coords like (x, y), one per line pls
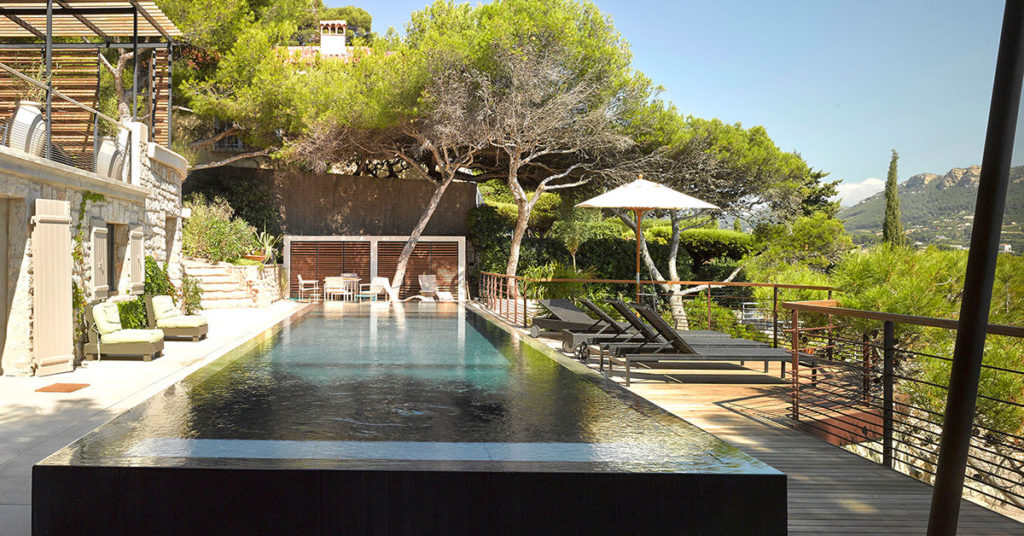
(870, 382)
(376, 256)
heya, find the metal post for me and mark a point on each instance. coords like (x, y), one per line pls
(709, 305)
(795, 373)
(48, 150)
(135, 59)
(888, 359)
(865, 350)
(525, 320)
(965, 373)
(775, 316)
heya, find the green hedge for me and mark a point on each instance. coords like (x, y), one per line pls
(214, 233)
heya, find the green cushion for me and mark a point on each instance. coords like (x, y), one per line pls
(106, 317)
(192, 321)
(163, 307)
(132, 335)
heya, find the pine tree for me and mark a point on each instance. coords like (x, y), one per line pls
(737, 226)
(892, 227)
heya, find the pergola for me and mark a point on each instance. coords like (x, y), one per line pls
(28, 29)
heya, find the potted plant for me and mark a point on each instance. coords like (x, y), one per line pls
(267, 247)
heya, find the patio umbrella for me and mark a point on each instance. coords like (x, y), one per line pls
(641, 196)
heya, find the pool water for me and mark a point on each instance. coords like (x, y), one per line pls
(392, 386)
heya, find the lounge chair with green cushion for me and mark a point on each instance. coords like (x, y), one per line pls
(164, 315)
(108, 338)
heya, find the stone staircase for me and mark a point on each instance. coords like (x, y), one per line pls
(222, 286)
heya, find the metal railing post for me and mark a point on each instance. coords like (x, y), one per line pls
(775, 316)
(888, 359)
(709, 305)
(525, 309)
(795, 372)
(866, 363)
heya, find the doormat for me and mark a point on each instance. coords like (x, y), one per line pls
(62, 388)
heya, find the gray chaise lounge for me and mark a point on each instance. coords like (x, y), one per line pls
(108, 338)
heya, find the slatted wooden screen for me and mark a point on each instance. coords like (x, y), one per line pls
(75, 75)
(320, 259)
(439, 258)
(51, 266)
(157, 109)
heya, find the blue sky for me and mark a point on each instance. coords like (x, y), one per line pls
(840, 82)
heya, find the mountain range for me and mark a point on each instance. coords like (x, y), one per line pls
(939, 210)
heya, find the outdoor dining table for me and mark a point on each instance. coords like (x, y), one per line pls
(345, 286)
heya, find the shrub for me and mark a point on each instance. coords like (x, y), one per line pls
(191, 295)
(705, 245)
(249, 198)
(213, 233)
(133, 314)
(555, 270)
(157, 281)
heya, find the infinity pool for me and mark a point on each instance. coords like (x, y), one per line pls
(430, 388)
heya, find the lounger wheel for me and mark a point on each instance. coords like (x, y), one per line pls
(534, 332)
(568, 348)
(582, 352)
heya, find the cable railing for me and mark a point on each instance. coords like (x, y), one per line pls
(870, 382)
(875, 384)
(750, 310)
(70, 132)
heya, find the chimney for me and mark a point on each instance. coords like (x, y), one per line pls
(332, 37)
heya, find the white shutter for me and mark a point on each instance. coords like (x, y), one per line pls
(51, 265)
(138, 262)
(100, 270)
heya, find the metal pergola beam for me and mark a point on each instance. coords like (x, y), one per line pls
(88, 24)
(965, 373)
(65, 11)
(77, 46)
(140, 10)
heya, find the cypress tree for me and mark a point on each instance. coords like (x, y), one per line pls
(892, 227)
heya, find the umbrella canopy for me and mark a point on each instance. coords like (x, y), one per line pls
(645, 195)
(641, 196)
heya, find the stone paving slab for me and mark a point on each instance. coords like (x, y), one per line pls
(34, 425)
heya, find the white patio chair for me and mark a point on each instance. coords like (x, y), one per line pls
(309, 288)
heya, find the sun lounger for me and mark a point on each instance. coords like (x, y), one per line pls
(565, 315)
(429, 289)
(164, 315)
(678, 349)
(107, 337)
(578, 342)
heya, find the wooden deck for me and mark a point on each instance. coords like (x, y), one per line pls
(831, 490)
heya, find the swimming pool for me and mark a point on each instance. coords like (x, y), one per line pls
(426, 416)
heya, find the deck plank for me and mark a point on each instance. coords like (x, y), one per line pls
(830, 490)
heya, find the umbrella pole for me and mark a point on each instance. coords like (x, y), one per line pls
(639, 214)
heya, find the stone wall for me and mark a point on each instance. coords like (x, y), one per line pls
(152, 194)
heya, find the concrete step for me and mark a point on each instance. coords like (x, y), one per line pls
(226, 295)
(228, 304)
(220, 287)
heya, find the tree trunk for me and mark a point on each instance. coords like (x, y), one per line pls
(522, 220)
(675, 298)
(414, 236)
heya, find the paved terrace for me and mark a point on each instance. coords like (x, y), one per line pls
(830, 490)
(34, 425)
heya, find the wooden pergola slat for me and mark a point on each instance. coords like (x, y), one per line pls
(77, 18)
